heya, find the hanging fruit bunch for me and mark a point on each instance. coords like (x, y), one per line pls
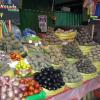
(23, 69)
(31, 87)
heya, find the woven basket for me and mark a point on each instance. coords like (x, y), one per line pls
(74, 85)
(68, 36)
(86, 49)
(97, 65)
(87, 77)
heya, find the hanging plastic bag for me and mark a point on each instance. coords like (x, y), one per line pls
(28, 32)
(16, 31)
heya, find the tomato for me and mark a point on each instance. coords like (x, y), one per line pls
(30, 93)
(22, 81)
(36, 91)
(40, 88)
(26, 94)
(37, 85)
(31, 88)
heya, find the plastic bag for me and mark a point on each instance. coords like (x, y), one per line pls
(28, 32)
(16, 31)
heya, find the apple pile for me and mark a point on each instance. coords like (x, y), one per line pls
(31, 87)
(23, 69)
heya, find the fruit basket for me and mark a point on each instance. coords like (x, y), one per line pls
(86, 49)
(97, 65)
(55, 66)
(9, 73)
(71, 60)
(52, 93)
(89, 76)
(64, 36)
(74, 85)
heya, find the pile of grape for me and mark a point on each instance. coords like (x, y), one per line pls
(70, 74)
(37, 59)
(12, 44)
(51, 39)
(83, 37)
(95, 54)
(71, 50)
(84, 65)
(50, 78)
(54, 55)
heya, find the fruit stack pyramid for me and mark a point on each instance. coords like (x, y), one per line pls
(95, 54)
(70, 74)
(51, 38)
(84, 38)
(12, 44)
(54, 55)
(50, 78)
(84, 65)
(71, 50)
(37, 59)
(23, 69)
(57, 58)
(30, 88)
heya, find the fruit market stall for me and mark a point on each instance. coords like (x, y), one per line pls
(34, 67)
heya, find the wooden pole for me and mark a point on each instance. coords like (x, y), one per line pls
(1, 36)
(93, 27)
(9, 26)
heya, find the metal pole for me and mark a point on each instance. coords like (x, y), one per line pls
(53, 4)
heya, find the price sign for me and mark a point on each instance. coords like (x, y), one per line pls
(9, 10)
(10, 15)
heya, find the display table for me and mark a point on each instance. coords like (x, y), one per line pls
(78, 93)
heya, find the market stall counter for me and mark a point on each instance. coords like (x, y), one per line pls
(78, 93)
